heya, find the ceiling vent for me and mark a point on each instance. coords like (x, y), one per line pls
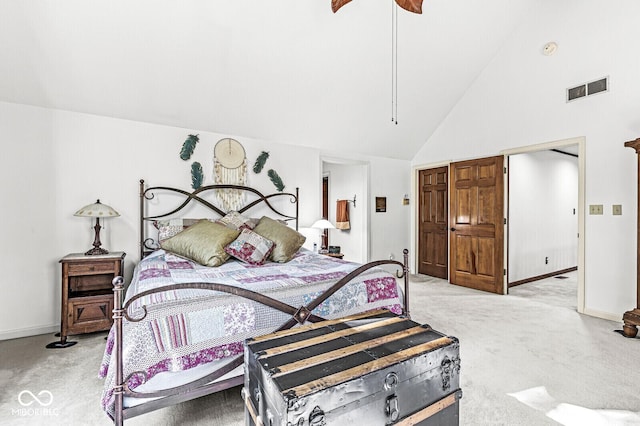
(588, 89)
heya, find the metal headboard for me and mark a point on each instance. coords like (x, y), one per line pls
(148, 244)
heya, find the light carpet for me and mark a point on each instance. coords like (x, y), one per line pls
(531, 342)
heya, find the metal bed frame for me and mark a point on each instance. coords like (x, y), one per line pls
(206, 384)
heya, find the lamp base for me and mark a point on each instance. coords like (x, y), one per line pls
(96, 242)
(95, 251)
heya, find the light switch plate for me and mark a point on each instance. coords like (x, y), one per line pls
(595, 209)
(616, 209)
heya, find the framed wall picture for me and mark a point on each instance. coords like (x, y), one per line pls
(381, 204)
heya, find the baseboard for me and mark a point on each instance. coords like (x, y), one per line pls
(605, 315)
(541, 277)
(27, 332)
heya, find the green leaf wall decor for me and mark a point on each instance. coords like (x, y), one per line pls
(276, 180)
(196, 175)
(262, 158)
(188, 146)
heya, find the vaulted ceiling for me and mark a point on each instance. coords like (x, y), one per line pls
(289, 71)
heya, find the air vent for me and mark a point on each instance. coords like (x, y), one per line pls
(576, 92)
(588, 89)
(598, 86)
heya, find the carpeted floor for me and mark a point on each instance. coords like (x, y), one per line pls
(527, 359)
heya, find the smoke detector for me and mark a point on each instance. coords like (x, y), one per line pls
(550, 48)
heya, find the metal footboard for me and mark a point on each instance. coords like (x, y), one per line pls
(206, 385)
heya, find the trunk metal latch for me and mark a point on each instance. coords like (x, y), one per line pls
(392, 408)
(316, 418)
(449, 367)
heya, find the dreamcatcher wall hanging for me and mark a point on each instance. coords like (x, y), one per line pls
(230, 167)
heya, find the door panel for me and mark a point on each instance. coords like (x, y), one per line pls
(477, 227)
(433, 243)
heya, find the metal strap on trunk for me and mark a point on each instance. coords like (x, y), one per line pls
(340, 353)
(334, 335)
(430, 410)
(374, 365)
(257, 420)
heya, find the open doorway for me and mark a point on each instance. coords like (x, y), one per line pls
(545, 254)
(543, 221)
(348, 180)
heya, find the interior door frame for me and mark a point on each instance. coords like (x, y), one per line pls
(581, 142)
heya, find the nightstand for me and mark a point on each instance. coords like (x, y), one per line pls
(336, 255)
(87, 294)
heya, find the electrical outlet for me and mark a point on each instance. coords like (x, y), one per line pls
(616, 209)
(595, 209)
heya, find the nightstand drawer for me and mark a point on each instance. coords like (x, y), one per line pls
(86, 268)
(89, 314)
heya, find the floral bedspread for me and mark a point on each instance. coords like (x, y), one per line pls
(187, 328)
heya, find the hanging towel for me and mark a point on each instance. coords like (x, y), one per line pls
(342, 215)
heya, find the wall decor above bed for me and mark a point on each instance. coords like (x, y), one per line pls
(188, 146)
(276, 180)
(230, 167)
(259, 164)
(197, 176)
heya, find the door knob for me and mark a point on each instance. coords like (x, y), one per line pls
(453, 229)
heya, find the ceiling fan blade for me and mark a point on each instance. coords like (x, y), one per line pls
(337, 4)
(414, 6)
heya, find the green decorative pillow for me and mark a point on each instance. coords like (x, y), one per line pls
(287, 240)
(203, 242)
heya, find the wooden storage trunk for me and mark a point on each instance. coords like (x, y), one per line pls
(375, 368)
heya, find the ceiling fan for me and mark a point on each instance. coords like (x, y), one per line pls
(414, 6)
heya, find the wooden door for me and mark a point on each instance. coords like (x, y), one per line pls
(433, 242)
(476, 216)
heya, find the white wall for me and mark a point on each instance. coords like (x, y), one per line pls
(519, 100)
(543, 219)
(390, 231)
(56, 162)
(30, 244)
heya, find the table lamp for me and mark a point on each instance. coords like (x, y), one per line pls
(323, 224)
(97, 210)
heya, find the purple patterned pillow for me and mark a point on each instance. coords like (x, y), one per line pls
(250, 247)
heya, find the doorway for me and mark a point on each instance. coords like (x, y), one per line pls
(562, 261)
(348, 180)
(543, 221)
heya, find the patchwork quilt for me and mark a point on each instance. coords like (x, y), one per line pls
(190, 327)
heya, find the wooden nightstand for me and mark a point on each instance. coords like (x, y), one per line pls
(87, 294)
(336, 255)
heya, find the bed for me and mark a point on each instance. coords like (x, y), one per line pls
(180, 324)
